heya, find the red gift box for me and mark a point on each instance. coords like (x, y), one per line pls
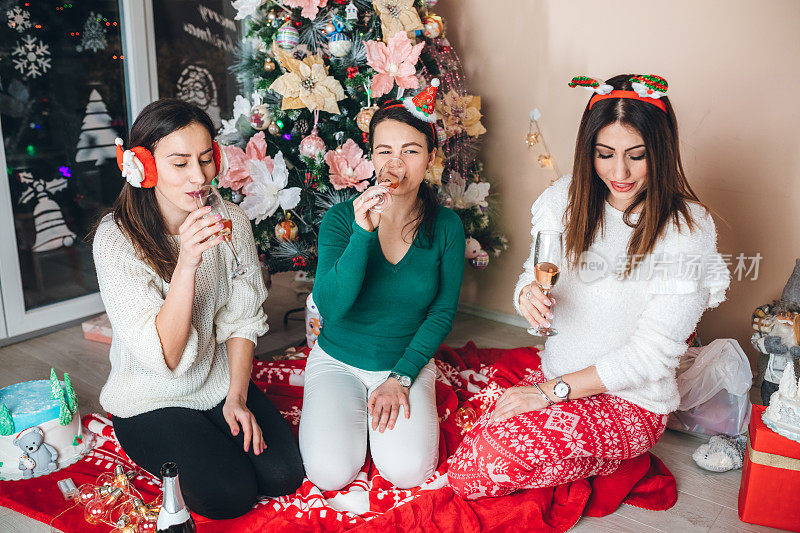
(770, 491)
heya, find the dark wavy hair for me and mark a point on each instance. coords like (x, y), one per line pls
(428, 205)
(136, 210)
(664, 197)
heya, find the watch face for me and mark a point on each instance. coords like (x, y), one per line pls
(561, 390)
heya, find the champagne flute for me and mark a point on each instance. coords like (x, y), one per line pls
(391, 175)
(547, 260)
(208, 195)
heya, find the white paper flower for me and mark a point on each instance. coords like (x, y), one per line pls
(268, 190)
(241, 106)
(132, 169)
(246, 8)
(464, 196)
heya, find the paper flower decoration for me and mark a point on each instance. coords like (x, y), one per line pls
(257, 147)
(307, 84)
(241, 106)
(246, 8)
(460, 113)
(348, 167)
(397, 16)
(463, 196)
(237, 176)
(310, 7)
(268, 189)
(434, 173)
(394, 63)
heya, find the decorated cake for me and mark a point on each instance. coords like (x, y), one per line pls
(783, 414)
(40, 428)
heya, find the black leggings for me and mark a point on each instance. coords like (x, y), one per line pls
(218, 479)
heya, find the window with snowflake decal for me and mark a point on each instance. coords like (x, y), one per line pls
(62, 103)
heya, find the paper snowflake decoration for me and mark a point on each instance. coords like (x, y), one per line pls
(31, 57)
(18, 19)
(94, 34)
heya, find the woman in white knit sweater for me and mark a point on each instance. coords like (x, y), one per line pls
(640, 266)
(183, 331)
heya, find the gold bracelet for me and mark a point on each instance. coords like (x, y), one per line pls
(550, 402)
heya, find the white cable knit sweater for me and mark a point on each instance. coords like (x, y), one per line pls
(633, 330)
(133, 294)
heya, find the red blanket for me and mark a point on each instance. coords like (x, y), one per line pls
(466, 375)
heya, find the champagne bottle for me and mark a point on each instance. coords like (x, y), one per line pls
(174, 516)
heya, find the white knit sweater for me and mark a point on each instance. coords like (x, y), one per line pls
(633, 331)
(133, 294)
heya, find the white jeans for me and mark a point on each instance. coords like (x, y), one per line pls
(335, 425)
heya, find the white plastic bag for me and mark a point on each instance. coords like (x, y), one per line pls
(714, 383)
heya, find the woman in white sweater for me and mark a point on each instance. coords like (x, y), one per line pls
(640, 266)
(183, 331)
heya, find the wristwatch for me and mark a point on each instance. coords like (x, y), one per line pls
(561, 390)
(405, 381)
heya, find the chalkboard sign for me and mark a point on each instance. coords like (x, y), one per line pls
(195, 45)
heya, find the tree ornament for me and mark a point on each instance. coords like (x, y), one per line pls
(260, 117)
(432, 26)
(339, 44)
(288, 37)
(274, 129)
(472, 249)
(351, 11)
(481, 261)
(269, 65)
(330, 28)
(312, 146)
(300, 127)
(287, 230)
(364, 117)
(272, 15)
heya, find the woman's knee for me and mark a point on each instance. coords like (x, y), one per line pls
(407, 471)
(222, 499)
(327, 472)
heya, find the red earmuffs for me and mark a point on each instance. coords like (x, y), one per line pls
(138, 165)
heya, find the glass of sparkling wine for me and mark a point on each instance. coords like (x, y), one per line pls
(547, 261)
(390, 176)
(208, 195)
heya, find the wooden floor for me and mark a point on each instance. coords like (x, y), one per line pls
(706, 501)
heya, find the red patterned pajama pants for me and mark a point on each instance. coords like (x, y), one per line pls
(569, 441)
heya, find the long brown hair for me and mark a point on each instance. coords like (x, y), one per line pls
(665, 195)
(428, 204)
(136, 210)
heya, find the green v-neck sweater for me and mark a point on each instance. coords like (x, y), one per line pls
(380, 316)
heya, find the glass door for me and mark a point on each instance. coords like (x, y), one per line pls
(64, 96)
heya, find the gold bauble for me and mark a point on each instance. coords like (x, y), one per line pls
(269, 65)
(274, 129)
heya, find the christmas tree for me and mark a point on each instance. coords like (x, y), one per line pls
(72, 398)
(6, 421)
(96, 142)
(313, 72)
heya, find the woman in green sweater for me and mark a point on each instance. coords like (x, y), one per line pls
(387, 287)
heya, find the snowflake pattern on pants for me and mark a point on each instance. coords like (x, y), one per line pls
(31, 57)
(18, 19)
(568, 441)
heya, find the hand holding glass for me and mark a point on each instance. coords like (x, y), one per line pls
(391, 175)
(547, 260)
(209, 196)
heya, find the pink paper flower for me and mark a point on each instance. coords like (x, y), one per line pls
(310, 7)
(395, 62)
(237, 175)
(348, 167)
(257, 147)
